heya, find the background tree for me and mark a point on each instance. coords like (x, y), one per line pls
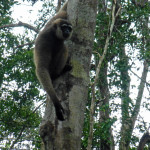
(19, 89)
(78, 81)
(115, 101)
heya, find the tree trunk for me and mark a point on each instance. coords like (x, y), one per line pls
(128, 122)
(107, 141)
(144, 140)
(72, 88)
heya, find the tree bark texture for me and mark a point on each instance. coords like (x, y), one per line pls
(72, 88)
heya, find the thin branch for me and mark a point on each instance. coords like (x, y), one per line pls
(38, 107)
(20, 24)
(107, 42)
(15, 141)
(144, 123)
(92, 108)
(140, 77)
(22, 45)
(140, 93)
(147, 88)
(97, 54)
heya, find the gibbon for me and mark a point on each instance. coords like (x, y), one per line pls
(51, 55)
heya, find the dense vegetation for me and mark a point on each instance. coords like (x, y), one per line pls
(123, 87)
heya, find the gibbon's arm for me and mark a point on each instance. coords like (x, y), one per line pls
(45, 80)
(64, 7)
(62, 13)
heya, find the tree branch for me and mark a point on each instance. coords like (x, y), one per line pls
(140, 77)
(140, 93)
(20, 24)
(15, 141)
(144, 139)
(107, 41)
(22, 45)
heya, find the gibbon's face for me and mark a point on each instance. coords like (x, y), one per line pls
(63, 29)
(66, 30)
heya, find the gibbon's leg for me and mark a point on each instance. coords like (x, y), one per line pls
(66, 68)
(45, 80)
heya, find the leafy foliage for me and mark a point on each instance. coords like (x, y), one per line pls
(115, 90)
(115, 99)
(19, 94)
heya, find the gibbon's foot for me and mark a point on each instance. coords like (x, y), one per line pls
(60, 113)
(67, 68)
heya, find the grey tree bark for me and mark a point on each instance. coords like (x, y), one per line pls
(72, 88)
(144, 140)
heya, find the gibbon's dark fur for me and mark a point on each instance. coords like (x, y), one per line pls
(51, 55)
